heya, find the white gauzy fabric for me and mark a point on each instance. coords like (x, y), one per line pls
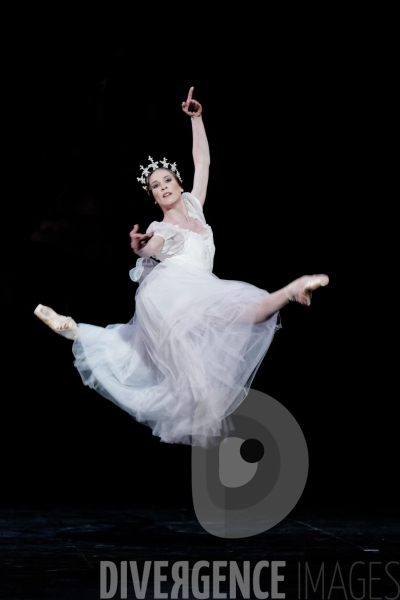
(188, 356)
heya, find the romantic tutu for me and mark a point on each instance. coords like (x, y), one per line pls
(188, 356)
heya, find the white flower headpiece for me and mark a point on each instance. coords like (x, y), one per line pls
(154, 165)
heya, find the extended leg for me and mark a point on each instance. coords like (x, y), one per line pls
(65, 326)
(300, 290)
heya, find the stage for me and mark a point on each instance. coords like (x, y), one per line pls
(58, 553)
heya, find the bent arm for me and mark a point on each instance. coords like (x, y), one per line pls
(153, 246)
(201, 159)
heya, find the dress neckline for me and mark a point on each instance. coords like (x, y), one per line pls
(205, 234)
(190, 206)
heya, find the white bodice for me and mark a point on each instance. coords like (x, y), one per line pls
(182, 245)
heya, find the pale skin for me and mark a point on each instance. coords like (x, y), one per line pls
(167, 194)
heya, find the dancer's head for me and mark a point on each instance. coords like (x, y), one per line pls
(155, 177)
(164, 186)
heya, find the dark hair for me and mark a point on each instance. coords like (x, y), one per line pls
(149, 190)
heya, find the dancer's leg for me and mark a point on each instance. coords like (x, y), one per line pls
(300, 290)
(65, 326)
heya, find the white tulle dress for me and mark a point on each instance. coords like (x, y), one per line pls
(188, 356)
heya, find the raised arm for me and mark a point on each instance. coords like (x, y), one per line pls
(201, 151)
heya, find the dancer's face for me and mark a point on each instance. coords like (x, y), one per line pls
(164, 187)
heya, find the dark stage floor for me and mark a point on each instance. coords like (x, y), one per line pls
(55, 553)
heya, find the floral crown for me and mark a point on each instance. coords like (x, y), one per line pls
(154, 165)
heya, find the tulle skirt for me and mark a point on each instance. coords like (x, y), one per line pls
(188, 356)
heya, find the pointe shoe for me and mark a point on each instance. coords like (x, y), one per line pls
(65, 326)
(300, 290)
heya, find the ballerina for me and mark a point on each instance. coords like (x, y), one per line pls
(187, 358)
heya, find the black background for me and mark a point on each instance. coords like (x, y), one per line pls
(289, 179)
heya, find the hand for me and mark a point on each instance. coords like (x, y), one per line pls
(192, 107)
(139, 240)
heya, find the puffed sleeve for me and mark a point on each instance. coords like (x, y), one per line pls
(195, 206)
(173, 236)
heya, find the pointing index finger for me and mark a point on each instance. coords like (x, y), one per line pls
(190, 94)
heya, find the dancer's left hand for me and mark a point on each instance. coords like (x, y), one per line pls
(191, 107)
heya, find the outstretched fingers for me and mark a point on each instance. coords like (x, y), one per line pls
(188, 100)
(190, 95)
